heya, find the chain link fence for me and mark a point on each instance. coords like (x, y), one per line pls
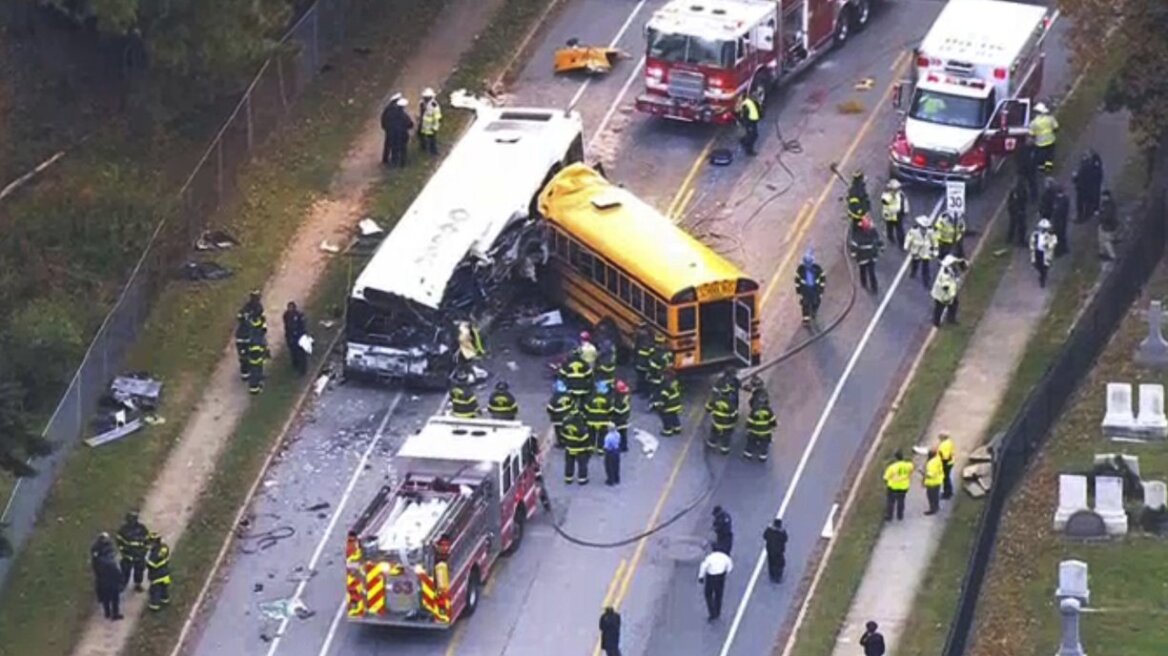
(281, 80)
(1144, 247)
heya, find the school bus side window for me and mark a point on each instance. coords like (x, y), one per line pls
(598, 271)
(624, 289)
(613, 277)
(581, 259)
(636, 298)
(561, 244)
(687, 319)
(662, 314)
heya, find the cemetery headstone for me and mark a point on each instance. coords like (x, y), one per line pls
(1072, 498)
(1153, 350)
(1119, 420)
(1151, 420)
(1072, 581)
(1109, 504)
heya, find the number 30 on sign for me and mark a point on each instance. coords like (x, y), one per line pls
(955, 196)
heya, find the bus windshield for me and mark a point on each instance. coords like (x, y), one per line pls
(686, 49)
(948, 109)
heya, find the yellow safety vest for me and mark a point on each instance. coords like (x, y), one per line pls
(898, 476)
(934, 472)
(892, 202)
(944, 288)
(945, 449)
(750, 108)
(1042, 129)
(431, 118)
(946, 230)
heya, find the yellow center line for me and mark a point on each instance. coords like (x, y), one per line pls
(620, 568)
(807, 218)
(689, 177)
(680, 213)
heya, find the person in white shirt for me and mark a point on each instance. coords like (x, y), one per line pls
(712, 574)
(1043, 244)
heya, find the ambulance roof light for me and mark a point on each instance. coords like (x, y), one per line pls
(999, 73)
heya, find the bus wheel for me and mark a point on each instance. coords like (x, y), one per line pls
(862, 15)
(472, 592)
(843, 27)
(517, 529)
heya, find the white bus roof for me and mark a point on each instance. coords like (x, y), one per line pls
(711, 19)
(983, 31)
(471, 440)
(486, 182)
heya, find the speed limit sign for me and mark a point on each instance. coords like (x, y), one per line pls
(955, 197)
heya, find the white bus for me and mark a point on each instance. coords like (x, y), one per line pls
(472, 228)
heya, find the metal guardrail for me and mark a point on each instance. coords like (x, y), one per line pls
(279, 82)
(1143, 250)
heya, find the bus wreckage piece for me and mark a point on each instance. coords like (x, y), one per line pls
(590, 59)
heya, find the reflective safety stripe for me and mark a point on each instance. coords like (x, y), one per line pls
(375, 588)
(437, 604)
(356, 590)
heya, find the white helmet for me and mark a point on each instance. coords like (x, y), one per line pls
(894, 184)
(923, 221)
(1043, 224)
(949, 261)
(427, 93)
(403, 102)
(1041, 108)
(395, 97)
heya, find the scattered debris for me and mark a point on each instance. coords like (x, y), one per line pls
(258, 587)
(305, 342)
(590, 59)
(282, 609)
(124, 410)
(463, 99)
(549, 340)
(648, 442)
(300, 574)
(215, 240)
(368, 227)
(327, 323)
(865, 84)
(850, 107)
(329, 248)
(196, 271)
(136, 390)
(119, 431)
(512, 365)
(320, 384)
(323, 505)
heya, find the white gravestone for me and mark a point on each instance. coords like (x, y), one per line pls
(1155, 494)
(1119, 421)
(1072, 581)
(1151, 419)
(1109, 503)
(1072, 498)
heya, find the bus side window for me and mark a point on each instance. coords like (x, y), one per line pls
(613, 278)
(598, 271)
(624, 288)
(506, 475)
(662, 314)
(636, 297)
(561, 244)
(581, 258)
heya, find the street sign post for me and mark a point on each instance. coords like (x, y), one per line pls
(955, 197)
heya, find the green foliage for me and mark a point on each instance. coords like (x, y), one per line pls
(42, 344)
(18, 437)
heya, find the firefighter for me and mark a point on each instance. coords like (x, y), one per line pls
(894, 208)
(659, 366)
(252, 310)
(758, 392)
(1043, 129)
(934, 477)
(760, 429)
(723, 418)
(558, 407)
(158, 572)
(644, 352)
(1043, 244)
(749, 114)
(257, 354)
(470, 343)
(242, 341)
(921, 244)
(502, 404)
(947, 234)
(132, 544)
(859, 204)
(944, 291)
(897, 480)
(606, 364)
(729, 385)
(865, 246)
(463, 402)
(810, 282)
(578, 447)
(577, 375)
(622, 411)
(1016, 209)
(429, 120)
(598, 413)
(668, 405)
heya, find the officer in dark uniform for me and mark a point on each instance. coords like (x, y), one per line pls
(558, 407)
(132, 543)
(723, 530)
(668, 405)
(858, 194)
(463, 402)
(775, 539)
(723, 418)
(107, 577)
(502, 404)
(294, 329)
(158, 572)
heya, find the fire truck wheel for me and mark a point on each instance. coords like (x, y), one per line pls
(472, 592)
(843, 27)
(861, 15)
(759, 90)
(517, 530)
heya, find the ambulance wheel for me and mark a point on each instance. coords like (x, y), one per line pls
(861, 15)
(517, 529)
(843, 26)
(473, 586)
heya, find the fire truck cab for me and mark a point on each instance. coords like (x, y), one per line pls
(703, 56)
(977, 72)
(460, 493)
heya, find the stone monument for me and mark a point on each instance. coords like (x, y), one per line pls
(1072, 581)
(1153, 351)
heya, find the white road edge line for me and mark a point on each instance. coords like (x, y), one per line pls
(815, 435)
(340, 508)
(612, 44)
(332, 632)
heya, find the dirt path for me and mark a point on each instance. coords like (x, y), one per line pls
(170, 503)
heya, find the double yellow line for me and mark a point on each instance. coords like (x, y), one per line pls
(685, 192)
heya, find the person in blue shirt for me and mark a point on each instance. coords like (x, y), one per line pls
(612, 453)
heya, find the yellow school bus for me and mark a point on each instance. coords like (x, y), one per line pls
(614, 255)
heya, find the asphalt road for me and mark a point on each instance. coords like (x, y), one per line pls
(762, 213)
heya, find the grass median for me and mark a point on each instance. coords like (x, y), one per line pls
(860, 529)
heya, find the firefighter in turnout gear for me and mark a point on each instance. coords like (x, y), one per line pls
(578, 447)
(257, 354)
(894, 209)
(502, 404)
(809, 284)
(749, 114)
(429, 121)
(131, 539)
(944, 291)
(606, 365)
(921, 244)
(668, 405)
(760, 429)
(729, 385)
(559, 407)
(463, 402)
(859, 204)
(622, 411)
(577, 375)
(659, 367)
(758, 392)
(252, 311)
(644, 350)
(158, 572)
(598, 413)
(723, 419)
(242, 341)
(1043, 129)
(865, 246)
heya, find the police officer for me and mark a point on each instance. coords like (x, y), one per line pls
(723, 526)
(463, 402)
(810, 282)
(945, 451)
(921, 244)
(760, 429)
(894, 208)
(944, 291)
(723, 419)
(558, 407)
(577, 375)
(388, 117)
(934, 476)
(257, 354)
(1043, 129)
(1016, 208)
(294, 329)
(132, 543)
(398, 127)
(622, 410)
(774, 537)
(668, 405)
(429, 120)
(107, 577)
(749, 114)
(644, 350)
(897, 480)
(1088, 181)
(598, 414)
(578, 448)
(1043, 246)
(865, 246)
(158, 572)
(502, 404)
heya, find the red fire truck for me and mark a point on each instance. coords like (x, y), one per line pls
(977, 71)
(703, 55)
(461, 492)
